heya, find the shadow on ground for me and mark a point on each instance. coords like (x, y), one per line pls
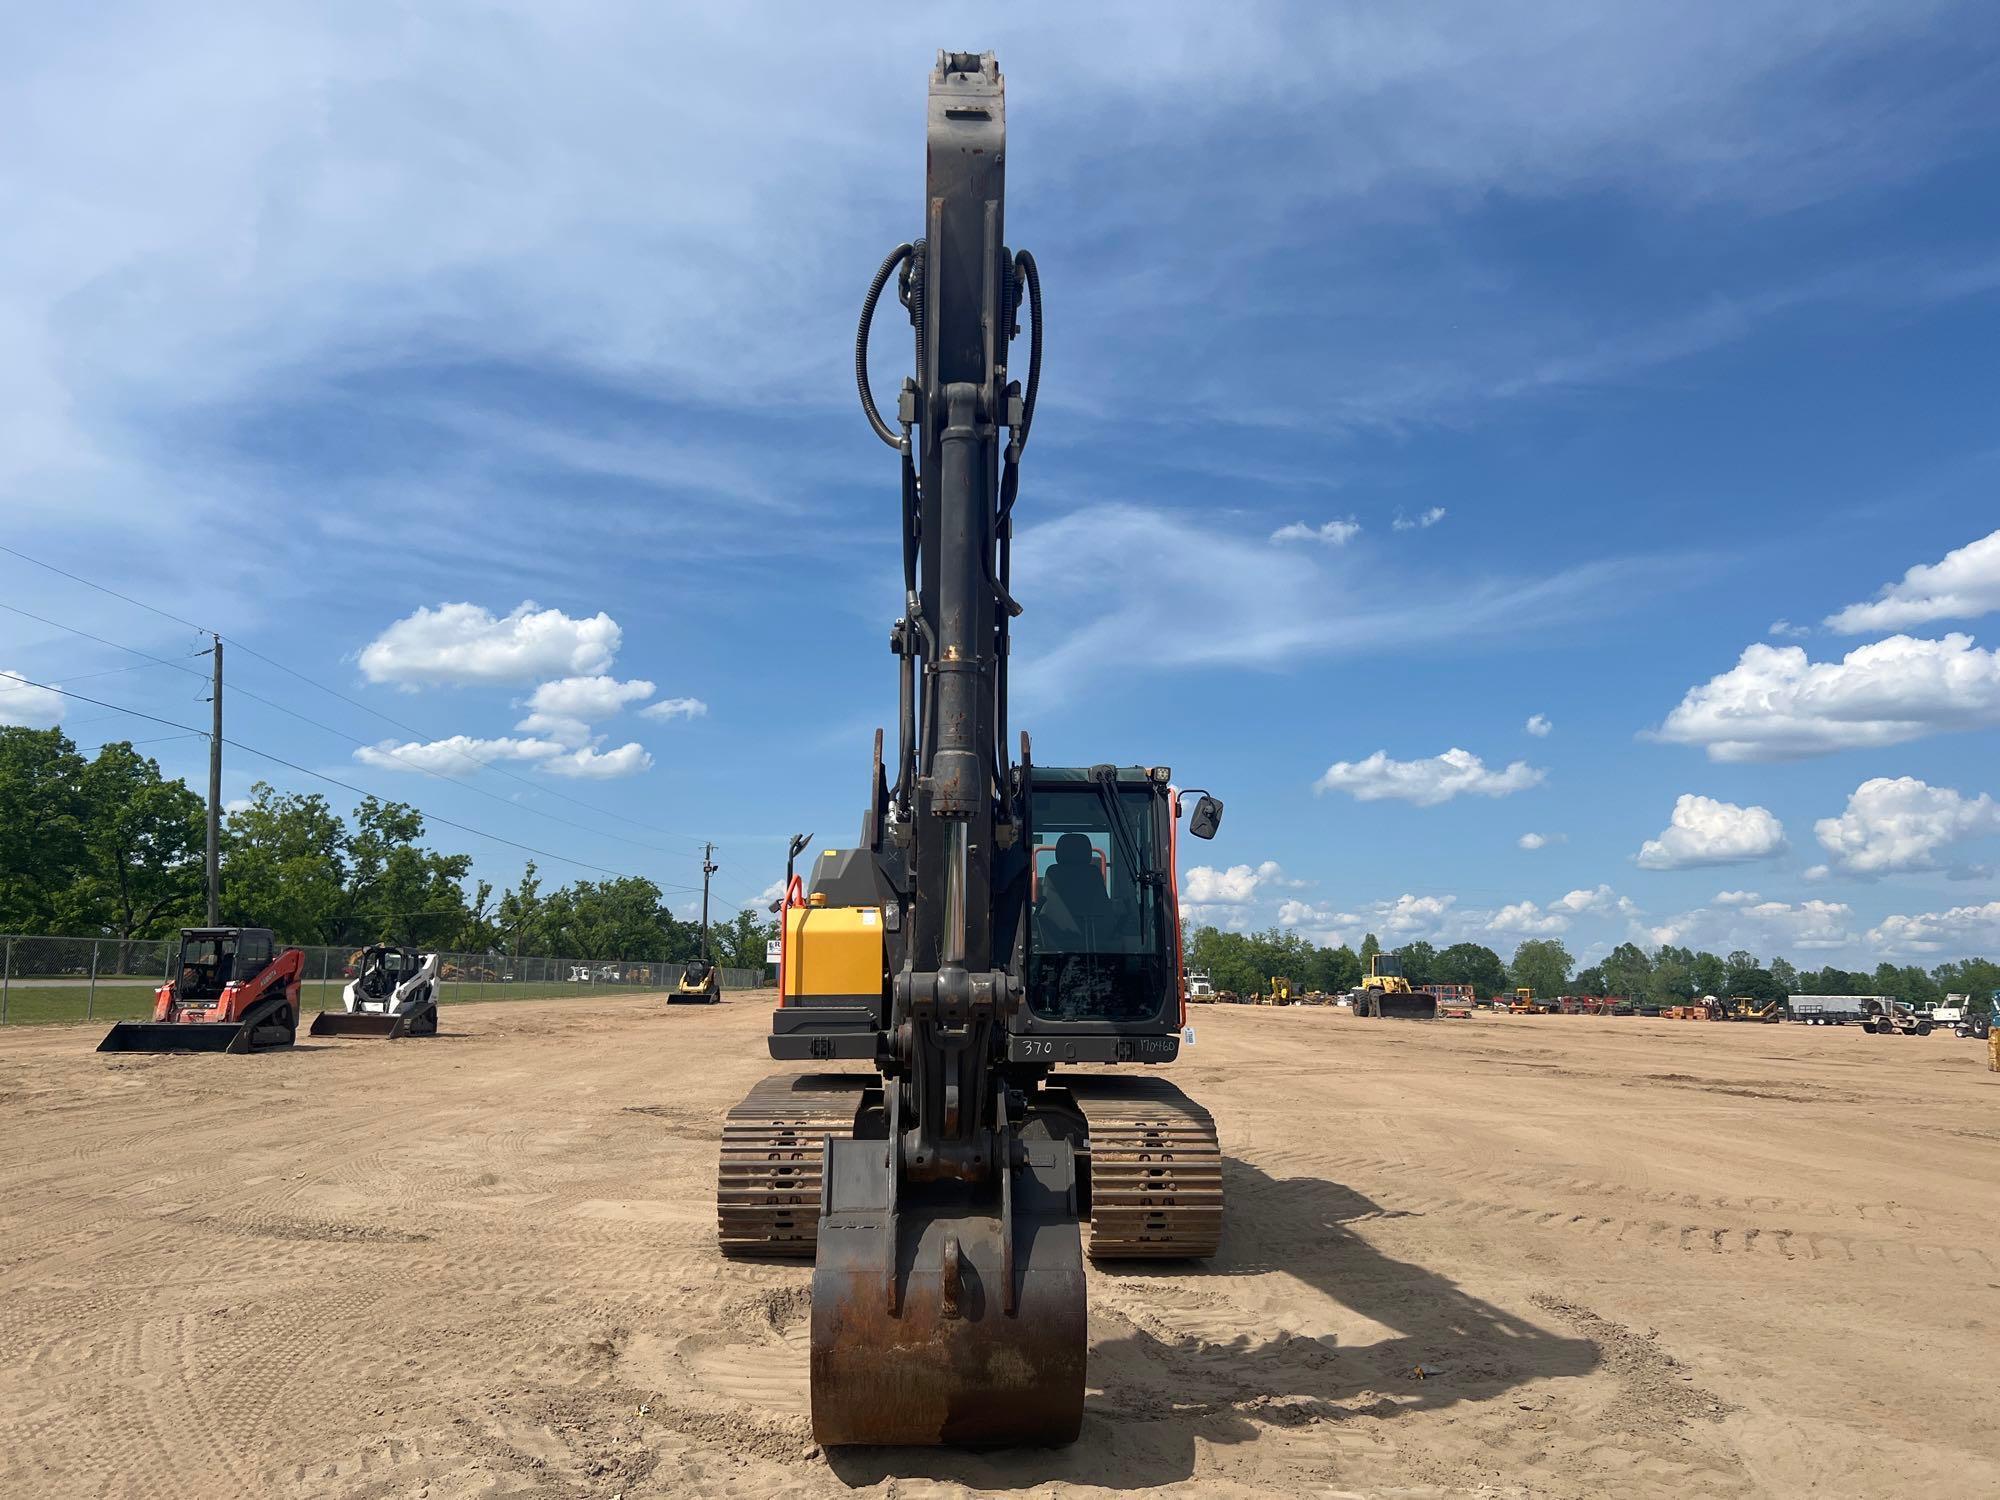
(1155, 1390)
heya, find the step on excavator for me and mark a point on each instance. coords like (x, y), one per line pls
(394, 993)
(998, 928)
(232, 991)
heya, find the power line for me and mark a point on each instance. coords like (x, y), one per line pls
(13, 552)
(349, 787)
(343, 697)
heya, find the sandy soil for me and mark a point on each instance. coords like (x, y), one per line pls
(1550, 1256)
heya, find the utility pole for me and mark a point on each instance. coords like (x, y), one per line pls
(215, 793)
(708, 868)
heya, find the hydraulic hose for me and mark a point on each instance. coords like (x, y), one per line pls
(882, 429)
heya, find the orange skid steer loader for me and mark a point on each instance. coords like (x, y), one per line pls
(232, 991)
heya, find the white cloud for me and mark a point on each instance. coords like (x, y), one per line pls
(28, 706)
(1425, 518)
(1707, 832)
(1325, 926)
(1425, 782)
(587, 698)
(1411, 916)
(1204, 885)
(466, 643)
(456, 755)
(1121, 583)
(1764, 927)
(1539, 726)
(1736, 898)
(675, 708)
(1333, 533)
(1962, 929)
(1528, 920)
(1901, 823)
(1600, 899)
(1775, 704)
(604, 765)
(460, 755)
(1788, 629)
(1533, 841)
(1963, 584)
(565, 709)
(557, 727)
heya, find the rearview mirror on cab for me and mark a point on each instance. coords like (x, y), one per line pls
(1206, 818)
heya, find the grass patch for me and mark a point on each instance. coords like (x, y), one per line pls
(63, 1004)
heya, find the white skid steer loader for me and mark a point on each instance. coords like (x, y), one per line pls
(394, 993)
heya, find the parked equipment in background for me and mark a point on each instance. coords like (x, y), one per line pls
(1883, 1015)
(1279, 993)
(700, 979)
(995, 920)
(1386, 994)
(394, 993)
(1746, 1008)
(1198, 987)
(232, 991)
(1834, 1010)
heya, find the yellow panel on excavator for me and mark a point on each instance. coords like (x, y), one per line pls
(834, 952)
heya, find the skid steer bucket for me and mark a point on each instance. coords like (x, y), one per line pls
(955, 1315)
(362, 1023)
(259, 1031)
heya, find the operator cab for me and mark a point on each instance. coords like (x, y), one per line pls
(384, 969)
(1101, 927)
(213, 958)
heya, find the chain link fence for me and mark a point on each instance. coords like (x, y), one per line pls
(53, 979)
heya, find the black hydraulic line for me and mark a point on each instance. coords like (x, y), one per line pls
(1024, 267)
(882, 428)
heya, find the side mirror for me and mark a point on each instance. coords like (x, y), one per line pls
(1206, 818)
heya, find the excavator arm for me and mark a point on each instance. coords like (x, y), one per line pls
(948, 1300)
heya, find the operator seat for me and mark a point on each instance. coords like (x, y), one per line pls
(1077, 882)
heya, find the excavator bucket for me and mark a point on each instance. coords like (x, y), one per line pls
(947, 1312)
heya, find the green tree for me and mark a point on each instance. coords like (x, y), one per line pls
(396, 889)
(1542, 965)
(1673, 976)
(1473, 964)
(43, 829)
(1785, 977)
(285, 866)
(146, 846)
(1711, 976)
(1736, 966)
(1335, 970)
(1419, 962)
(1628, 971)
(1590, 981)
(740, 942)
(1370, 946)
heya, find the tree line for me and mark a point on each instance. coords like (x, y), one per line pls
(1246, 961)
(107, 846)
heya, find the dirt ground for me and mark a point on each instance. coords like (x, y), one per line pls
(1513, 1256)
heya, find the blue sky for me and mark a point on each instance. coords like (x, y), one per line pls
(1652, 326)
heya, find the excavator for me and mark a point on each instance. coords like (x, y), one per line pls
(998, 927)
(1386, 994)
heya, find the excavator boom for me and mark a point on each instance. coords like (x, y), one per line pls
(948, 1298)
